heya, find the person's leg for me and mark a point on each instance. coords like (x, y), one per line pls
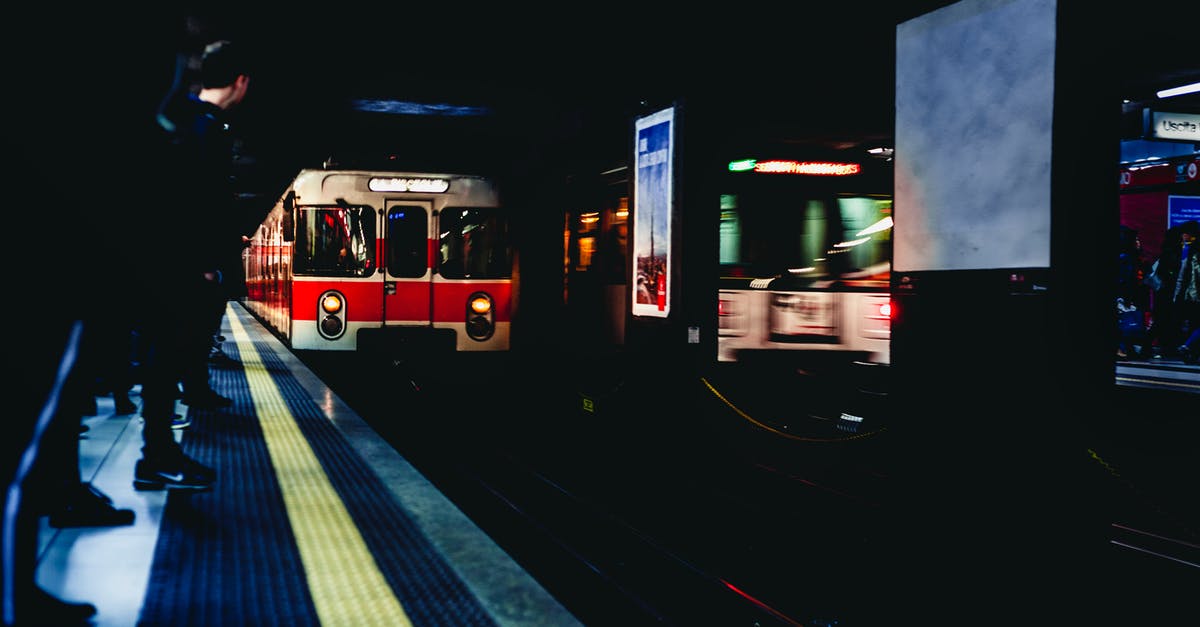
(163, 463)
(121, 364)
(56, 479)
(1164, 337)
(33, 414)
(197, 388)
(1189, 349)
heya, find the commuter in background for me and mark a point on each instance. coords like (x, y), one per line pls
(1133, 297)
(1161, 281)
(1177, 301)
(1185, 294)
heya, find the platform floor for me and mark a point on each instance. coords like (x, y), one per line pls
(305, 521)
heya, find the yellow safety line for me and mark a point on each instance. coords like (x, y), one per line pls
(342, 575)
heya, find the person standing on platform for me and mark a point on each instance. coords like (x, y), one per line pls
(1182, 282)
(202, 127)
(1133, 296)
(186, 307)
(1160, 280)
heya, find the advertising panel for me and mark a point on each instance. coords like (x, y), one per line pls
(1182, 209)
(653, 199)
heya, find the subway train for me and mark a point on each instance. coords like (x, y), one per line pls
(373, 260)
(805, 259)
(803, 247)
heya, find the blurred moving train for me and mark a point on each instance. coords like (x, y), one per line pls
(377, 260)
(805, 266)
(804, 247)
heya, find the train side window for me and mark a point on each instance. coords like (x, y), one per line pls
(474, 243)
(407, 241)
(335, 241)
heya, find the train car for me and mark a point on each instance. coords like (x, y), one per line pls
(805, 259)
(372, 260)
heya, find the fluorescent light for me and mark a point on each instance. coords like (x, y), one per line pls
(401, 107)
(1179, 91)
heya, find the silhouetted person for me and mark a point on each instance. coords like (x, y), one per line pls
(1177, 301)
(185, 298)
(1133, 296)
(202, 137)
(1185, 291)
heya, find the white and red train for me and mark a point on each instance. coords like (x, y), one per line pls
(352, 260)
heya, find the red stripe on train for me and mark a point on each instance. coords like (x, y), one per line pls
(450, 299)
(364, 299)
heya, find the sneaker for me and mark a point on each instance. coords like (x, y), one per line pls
(90, 508)
(208, 399)
(184, 474)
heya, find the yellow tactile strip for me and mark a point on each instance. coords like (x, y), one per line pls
(344, 580)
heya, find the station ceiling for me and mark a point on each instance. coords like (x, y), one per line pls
(821, 72)
(551, 79)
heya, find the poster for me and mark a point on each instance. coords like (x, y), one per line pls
(1182, 209)
(653, 197)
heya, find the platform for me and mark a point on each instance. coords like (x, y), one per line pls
(314, 520)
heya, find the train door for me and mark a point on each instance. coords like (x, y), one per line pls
(408, 258)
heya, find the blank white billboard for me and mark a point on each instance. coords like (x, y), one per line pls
(974, 112)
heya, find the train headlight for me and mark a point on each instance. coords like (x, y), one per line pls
(481, 317)
(481, 304)
(331, 315)
(331, 302)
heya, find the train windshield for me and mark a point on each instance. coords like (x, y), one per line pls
(845, 238)
(473, 243)
(335, 241)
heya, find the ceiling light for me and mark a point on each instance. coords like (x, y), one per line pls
(1179, 91)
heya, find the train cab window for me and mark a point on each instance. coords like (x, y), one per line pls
(814, 238)
(407, 241)
(473, 243)
(335, 241)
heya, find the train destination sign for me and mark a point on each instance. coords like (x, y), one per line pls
(787, 166)
(392, 184)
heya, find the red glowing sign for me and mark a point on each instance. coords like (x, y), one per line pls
(815, 168)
